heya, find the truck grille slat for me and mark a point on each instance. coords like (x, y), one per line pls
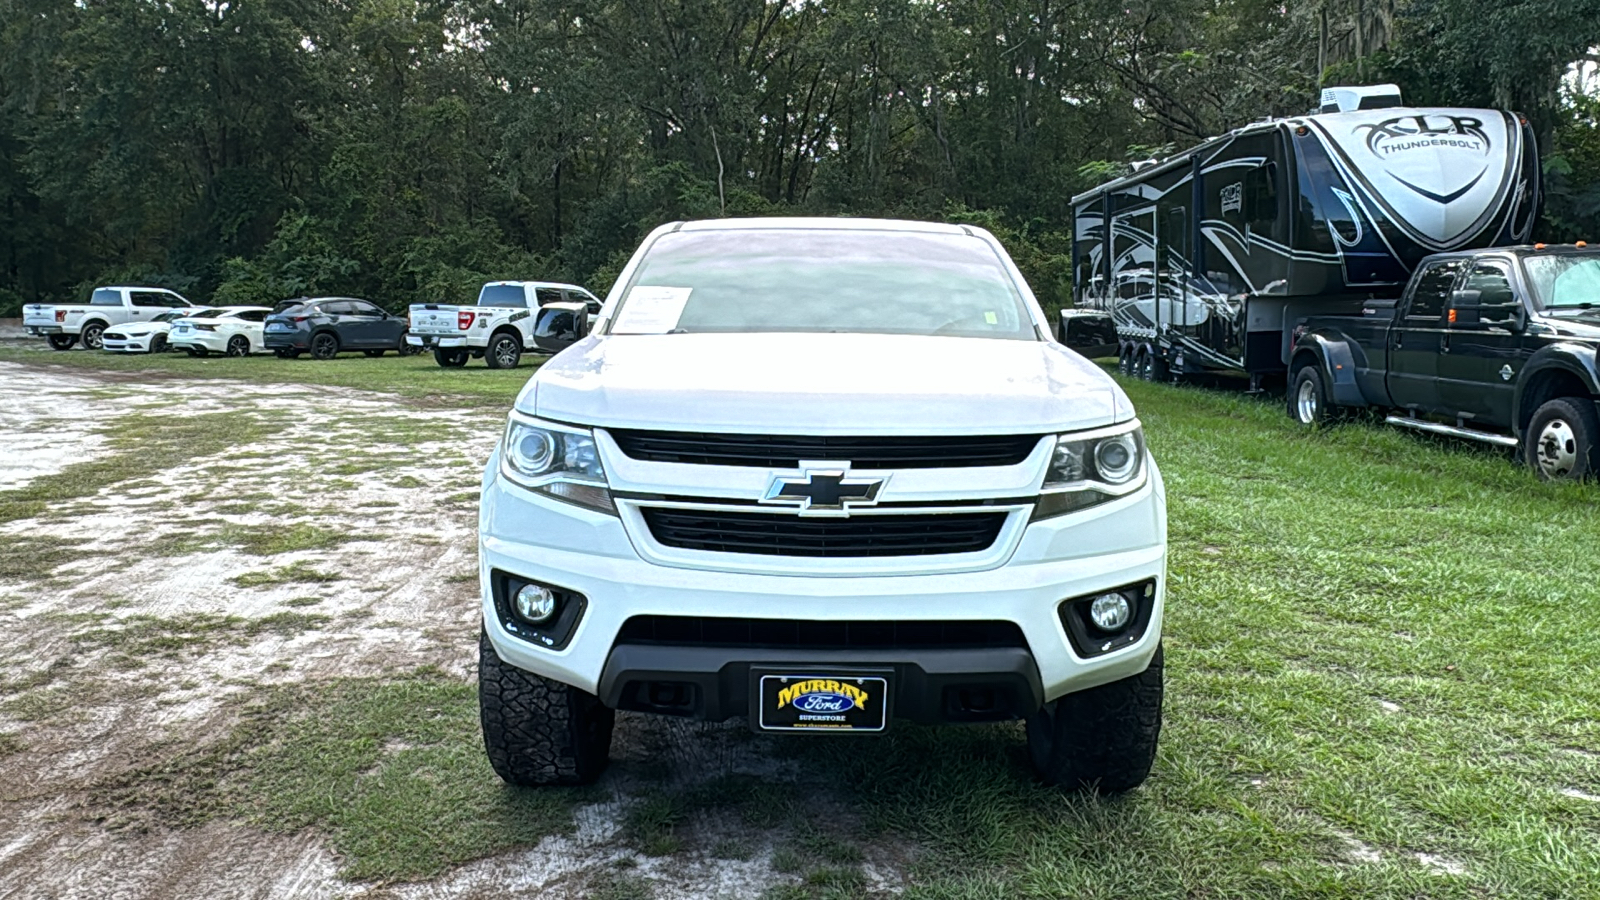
(786, 451)
(786, 534)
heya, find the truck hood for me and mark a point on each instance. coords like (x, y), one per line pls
(858, 384)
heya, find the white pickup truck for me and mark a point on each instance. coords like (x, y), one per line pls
(822, 475)
(65, 325)
(499, 327)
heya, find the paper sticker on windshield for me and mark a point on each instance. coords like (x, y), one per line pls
(651, 310)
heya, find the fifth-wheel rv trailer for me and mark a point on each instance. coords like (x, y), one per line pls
(1205, 260)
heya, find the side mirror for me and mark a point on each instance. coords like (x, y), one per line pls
(559, 326)
(1464, 307)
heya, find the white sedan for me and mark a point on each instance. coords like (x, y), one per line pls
(145, 337)
(232, 330)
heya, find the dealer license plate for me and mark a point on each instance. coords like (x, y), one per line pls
(822, 701)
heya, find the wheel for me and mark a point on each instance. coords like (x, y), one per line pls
(286, 353)
(238, 345)
(504, 351)
(1308, 398)
(91, 335)
(372, 354)
(405, 349)
(1152, 366)
(324, 345)
(1125, 359)
(538, 731)
(1560, 441)
(1102, 739)
(453, 358)
(196, 352)
(158, 343)
(62, 341)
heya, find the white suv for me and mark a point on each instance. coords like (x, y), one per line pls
(823, 474)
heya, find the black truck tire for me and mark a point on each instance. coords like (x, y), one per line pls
(537, 731)
(504, 351)
(452, 358)
(1308, 398)
(1125, 359)
(1152, 365)
(1102, 739)
(1561, 437)
(91, 335)
(62, 341)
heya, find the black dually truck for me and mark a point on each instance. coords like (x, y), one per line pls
(1492, 345)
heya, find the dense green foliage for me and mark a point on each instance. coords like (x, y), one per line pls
(408, 149)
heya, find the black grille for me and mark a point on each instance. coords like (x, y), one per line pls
(786, 451)
(786, 534)
(697, 631)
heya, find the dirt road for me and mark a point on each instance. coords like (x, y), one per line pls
(240, 642)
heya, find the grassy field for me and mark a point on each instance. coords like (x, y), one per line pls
(1383, 671)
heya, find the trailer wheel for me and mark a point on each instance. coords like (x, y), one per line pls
(1125, 359)
(1560, 441)
(1152, 367)
(1308, 399)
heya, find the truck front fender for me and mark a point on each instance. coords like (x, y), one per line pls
(1557, 370)
(1338, 364)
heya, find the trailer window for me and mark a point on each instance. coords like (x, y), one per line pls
(1261, 199)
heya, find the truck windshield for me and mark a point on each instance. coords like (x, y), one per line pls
(1567, 280)
(502, 295)
(819, 280)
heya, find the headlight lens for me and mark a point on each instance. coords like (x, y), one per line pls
(555, 460)
(1088, 468)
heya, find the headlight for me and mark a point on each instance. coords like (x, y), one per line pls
(1092, 467)
(557, 461)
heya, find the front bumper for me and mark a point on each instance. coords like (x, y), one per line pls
(139, 343)
(1118, 543)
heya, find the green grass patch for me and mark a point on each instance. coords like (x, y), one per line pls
(392, 770)
(143, 445)
(268, 540)
(156, 635)
(10, 744)
(296, 573)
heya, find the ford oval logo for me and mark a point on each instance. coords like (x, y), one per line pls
(824, 702)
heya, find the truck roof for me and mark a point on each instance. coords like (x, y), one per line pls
(541, 284)
(820, 223)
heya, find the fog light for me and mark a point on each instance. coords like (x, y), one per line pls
(536, 604)
(1109, 612)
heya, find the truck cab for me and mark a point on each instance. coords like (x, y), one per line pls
(1495, 345)
(64, 325)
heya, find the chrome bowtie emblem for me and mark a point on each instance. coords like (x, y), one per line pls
(1505, 373)
(827, 490)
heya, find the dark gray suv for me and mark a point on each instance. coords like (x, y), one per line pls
(325, 326)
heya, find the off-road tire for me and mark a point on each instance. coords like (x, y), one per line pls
(91, 336)
(238, 345)
(538, 731)
(63, 341)
(324, 345)
(1102, 739)
(452, 358)
(1307, 400)
(504, 351)
(1561, 439)
(286, 353)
